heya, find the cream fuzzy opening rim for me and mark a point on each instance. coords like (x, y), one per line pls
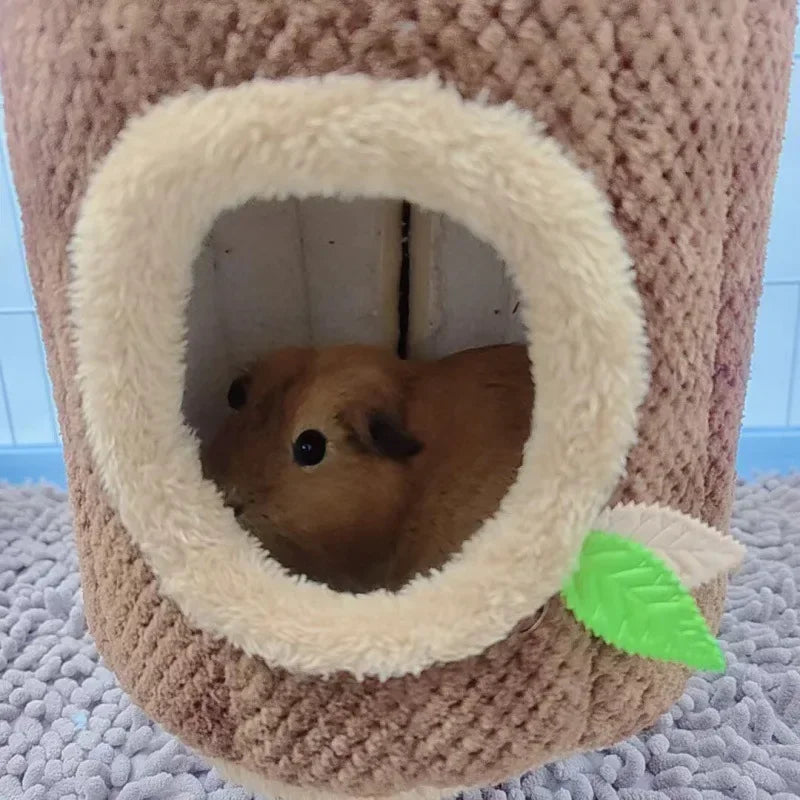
(146, 211)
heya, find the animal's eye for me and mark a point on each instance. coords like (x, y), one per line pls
(237, 393)
(309, 448)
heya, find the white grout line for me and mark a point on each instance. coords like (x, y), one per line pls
(7, 404)
(793, 367)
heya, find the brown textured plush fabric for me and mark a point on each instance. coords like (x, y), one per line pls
(677, 108)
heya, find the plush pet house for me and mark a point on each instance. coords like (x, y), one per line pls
(327, 158)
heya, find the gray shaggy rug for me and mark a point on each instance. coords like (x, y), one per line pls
(68, 732)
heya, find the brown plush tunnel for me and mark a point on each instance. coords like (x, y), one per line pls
(670, 113)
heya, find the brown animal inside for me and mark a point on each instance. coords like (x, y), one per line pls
(361, 470)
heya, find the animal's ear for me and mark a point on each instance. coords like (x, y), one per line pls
(379, 432)
(389, 438)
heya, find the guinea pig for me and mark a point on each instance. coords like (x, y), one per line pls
(359, 469)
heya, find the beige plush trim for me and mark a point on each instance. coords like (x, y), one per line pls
(146, 211)
(277, 790)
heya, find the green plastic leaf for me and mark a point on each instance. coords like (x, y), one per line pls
(628, 597)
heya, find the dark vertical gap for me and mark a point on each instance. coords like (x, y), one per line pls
(404, 288)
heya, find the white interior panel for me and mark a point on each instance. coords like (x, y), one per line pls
(460, 294)
(351, 257)
(272, 274)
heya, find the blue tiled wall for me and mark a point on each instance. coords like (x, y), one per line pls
(771, 429)
(29, 444)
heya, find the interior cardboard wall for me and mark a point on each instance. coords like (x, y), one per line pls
(460, 293)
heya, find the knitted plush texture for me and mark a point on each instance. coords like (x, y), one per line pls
(678, 115)
(67, 730)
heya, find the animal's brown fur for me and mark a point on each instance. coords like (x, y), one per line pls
(362, 519)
